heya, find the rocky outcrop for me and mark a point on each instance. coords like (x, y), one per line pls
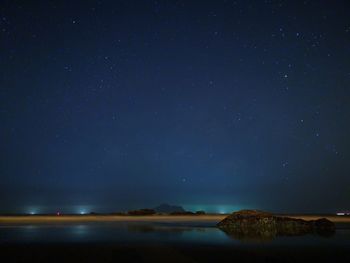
(200, 212)
(188, 213)
(260, 224)
(184, 213)
(142, 212)
(166, 208)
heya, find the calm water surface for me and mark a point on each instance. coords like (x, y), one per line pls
(136, 232)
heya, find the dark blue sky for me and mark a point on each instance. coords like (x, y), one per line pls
(216, 105)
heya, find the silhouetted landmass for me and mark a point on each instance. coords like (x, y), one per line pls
(182, 213)
(142, 212)
(188, 213)
(200, 212)
(118, 214)
(250, 224)
(166, 208)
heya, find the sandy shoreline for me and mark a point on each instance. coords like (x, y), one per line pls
(42, 219)
(107, 218)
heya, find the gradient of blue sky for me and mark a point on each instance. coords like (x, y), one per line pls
(123, 104)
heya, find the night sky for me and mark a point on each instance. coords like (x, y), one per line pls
(214, 105)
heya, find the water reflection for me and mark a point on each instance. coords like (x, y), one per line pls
(147, 228)
(256, 234)
(269, 237)
(81, 230)
(147, 233)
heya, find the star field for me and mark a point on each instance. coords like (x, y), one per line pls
(114, 105)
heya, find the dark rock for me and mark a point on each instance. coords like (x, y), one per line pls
(250, 224)
(118, 214)
(142, 212)
(200, 212)
(166, 208)
(287, 226)
(323, 223)
(323, 227)
(185, 213)
(263, 225)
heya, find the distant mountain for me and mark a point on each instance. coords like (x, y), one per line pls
(166, 208)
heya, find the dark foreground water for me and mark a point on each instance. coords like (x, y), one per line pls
(161, 242)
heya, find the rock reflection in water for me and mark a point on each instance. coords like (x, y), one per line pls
(266, 236)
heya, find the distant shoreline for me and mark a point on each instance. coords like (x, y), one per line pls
(209, 218)
(23, 219)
